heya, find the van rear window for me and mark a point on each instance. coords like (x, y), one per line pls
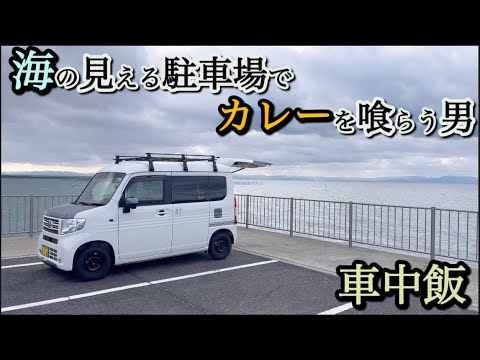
(187, 189)
(217, 185)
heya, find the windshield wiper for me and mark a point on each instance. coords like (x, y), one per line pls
(85, 203)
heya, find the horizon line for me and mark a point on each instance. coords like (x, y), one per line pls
(287, 177)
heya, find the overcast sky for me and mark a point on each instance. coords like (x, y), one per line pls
(68, 131)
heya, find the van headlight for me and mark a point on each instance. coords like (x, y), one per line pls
(72, 225)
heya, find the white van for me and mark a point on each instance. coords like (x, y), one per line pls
(143, 208)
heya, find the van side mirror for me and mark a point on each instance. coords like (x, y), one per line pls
(130, 203)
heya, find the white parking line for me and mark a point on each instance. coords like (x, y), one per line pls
(120, 288)
(337, 309)
(20, 265)
(106, 291)
(211, 272)
(38, 303)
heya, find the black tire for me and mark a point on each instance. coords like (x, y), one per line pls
(220, 246)
(93, 262)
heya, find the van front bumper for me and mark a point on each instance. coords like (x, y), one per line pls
(49, 263)
(56, 250)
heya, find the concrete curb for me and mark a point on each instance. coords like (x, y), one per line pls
(18, 257)
(287, 261)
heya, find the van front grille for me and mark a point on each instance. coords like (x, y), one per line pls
(50, 224)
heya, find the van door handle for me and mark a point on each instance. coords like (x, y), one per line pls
(178, 211)
(161, 212)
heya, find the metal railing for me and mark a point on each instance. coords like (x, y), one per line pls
(22, 214)
(438, 232)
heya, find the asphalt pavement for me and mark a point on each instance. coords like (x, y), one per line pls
(191, 284)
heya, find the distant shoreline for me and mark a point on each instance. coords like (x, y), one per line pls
(362, 181)
(419, 180)
(75, 177)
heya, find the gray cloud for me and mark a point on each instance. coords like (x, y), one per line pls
(87, 130)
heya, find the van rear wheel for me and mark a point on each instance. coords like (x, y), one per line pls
(93, 262)
(220, 246)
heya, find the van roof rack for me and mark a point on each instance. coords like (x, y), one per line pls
(151, 157)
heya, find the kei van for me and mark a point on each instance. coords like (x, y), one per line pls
(143, 208)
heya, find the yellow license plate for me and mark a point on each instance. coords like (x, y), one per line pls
(44, 250)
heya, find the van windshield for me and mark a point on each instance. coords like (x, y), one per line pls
(101, 188)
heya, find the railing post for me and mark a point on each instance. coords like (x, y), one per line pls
(350, 223)
(432, 234)
(247, 210)
(291, 216)
(478, 232)
(31, 215)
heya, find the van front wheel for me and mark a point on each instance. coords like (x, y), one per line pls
(93, 262)
(220, 246)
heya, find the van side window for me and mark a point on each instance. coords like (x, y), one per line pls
(148, 191)
(187, 189)
(217, 185)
